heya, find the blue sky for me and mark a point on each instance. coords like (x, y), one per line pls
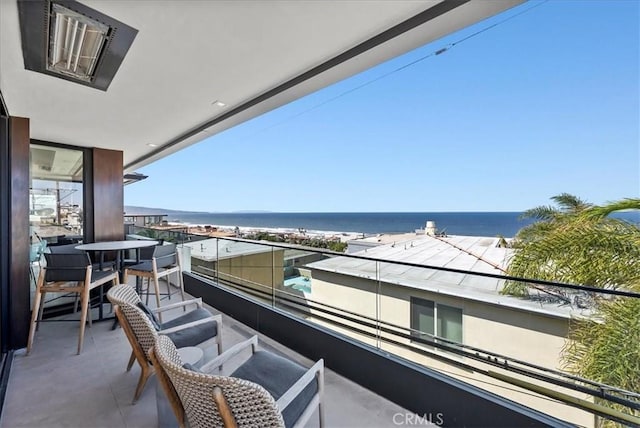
(544, 103)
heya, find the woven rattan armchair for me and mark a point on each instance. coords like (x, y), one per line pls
(190, 329)
(265, 391)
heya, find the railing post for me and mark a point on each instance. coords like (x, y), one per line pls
(217, 261)
(273, 278)
(379, 285)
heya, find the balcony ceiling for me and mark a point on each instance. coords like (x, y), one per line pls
(188, 54)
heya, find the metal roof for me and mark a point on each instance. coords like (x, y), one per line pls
(216, 249)
(469, 253)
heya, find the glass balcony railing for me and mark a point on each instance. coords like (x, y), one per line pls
(533, 349)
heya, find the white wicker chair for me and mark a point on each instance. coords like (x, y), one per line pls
(190, 329)
(208, 400)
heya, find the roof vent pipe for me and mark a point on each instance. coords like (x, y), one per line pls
(430, 228)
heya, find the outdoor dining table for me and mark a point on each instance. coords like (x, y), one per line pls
(119, 247)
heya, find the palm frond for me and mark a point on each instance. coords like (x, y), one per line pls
(597, 212)
(570, 203)
(602, 253)
(543, 212)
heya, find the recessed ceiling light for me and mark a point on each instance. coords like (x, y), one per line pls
(152, 145)
(218, 103)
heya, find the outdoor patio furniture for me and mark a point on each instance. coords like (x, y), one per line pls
(67, 273)
(266, 390)
(164, 262)
(102, 264)
(141, 328)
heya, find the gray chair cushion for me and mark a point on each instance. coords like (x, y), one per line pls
(152, 317)
(276, 375)
(194, 335)
(99, 274)
(191, 367)
(144, 266)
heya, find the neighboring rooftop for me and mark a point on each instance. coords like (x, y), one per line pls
(470, 253)
(213, 249)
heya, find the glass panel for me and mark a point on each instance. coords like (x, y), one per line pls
(55, 203)
(55, 195)
(450, 323)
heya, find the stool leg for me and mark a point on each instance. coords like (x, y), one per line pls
(169, 290)
(40, 312)
(89, 310)
(156, 283)
(83, 317)
(147, 290)
(34, 317)
(181, 285)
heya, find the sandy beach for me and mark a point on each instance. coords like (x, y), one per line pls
(216, 230)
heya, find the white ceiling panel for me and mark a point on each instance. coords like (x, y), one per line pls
(188, 54)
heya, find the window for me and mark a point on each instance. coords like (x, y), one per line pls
(429, 318)
(56, 195)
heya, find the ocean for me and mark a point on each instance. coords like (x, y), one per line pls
(505, 224)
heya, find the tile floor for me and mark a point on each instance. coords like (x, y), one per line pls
(54, 387)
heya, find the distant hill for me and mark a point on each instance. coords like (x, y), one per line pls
(132, 209)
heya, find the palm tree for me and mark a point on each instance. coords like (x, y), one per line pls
(579, 243)
(549, 216)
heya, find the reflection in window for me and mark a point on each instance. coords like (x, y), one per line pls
(55, 195)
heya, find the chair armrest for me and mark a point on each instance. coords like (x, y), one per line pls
(217, 318)
(197, 302)
(230, 353)
(316, 370)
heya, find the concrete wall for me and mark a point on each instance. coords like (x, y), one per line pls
(519, 334)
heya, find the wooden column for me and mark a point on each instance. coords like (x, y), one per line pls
(14, 225)
(108, 195)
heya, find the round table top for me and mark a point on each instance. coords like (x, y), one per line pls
(117, 245)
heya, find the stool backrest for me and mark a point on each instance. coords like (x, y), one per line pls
(65, 249)
(66, 267)
(165, 255)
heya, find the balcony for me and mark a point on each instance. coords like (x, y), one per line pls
(366, 317)
(55, 387)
